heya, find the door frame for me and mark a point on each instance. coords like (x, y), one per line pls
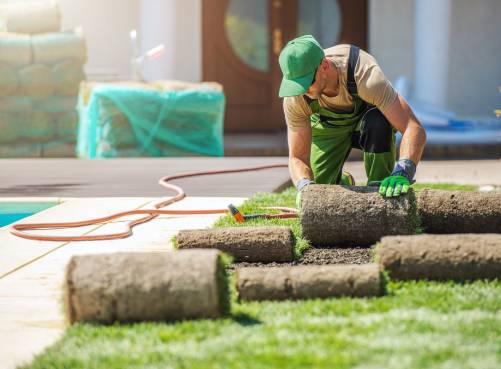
(282, 28)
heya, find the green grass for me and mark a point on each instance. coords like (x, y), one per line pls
(416, 325)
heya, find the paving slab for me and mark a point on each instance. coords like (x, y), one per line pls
(31, 313)
(137, 177)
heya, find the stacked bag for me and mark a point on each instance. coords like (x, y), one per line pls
(40, 72)
(156, 119)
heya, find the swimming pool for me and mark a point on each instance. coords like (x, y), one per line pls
(11, 212)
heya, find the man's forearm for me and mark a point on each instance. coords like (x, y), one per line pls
(412, 144)
(299, 169)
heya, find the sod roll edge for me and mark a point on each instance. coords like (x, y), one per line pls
(460, 211)
(308, 282)
(249, 244)
(185, 284)
(441, 257)
(334, 215)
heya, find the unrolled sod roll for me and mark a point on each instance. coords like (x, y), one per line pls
(460, 211)
(307, 282)
(465, 256)
(352, 215)
(251, 244)
(146, 286)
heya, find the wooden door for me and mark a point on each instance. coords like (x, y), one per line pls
(243, 38)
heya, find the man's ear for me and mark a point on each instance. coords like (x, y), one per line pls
(325, 64)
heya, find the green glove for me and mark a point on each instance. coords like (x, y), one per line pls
(394, 186)
(400, 180)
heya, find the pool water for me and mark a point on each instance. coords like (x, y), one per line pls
(11, 212)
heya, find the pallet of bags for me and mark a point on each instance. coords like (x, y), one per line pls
(39, 82)
(155, 119)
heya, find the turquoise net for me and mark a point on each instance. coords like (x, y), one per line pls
(128, 121)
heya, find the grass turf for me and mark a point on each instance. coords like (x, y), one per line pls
(417, 325)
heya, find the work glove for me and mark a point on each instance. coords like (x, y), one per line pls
(301, 184)
(400, 179)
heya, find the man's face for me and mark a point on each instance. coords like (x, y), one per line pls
(319, 83)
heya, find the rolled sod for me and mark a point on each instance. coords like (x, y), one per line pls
(250, 244)
(441, 257)
(353, 215)
(307, 282)
(460, 211)
(167, 286)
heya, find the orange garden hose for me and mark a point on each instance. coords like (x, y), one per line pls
(17, 229)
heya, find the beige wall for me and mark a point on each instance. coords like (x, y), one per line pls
(106, 25)
(391, 36)
(474, 72)
(475, 63)
(178, 25)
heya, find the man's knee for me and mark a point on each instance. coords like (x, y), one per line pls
(376, 134)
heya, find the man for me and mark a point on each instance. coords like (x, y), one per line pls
(337, 99)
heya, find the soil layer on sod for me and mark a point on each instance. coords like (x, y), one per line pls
(342, 255)
(459, 211)
(322, 256)
(354, 215)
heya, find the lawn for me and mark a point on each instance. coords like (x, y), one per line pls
(416, 325)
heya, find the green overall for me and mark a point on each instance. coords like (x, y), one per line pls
(335, 134)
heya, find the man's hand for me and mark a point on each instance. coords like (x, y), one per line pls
(393, 186)
(301, 184)
(400, 180)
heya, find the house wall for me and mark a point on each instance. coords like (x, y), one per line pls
(474, 67)
(178, 25)
(106, 25)
(391, 36)
(475, 63)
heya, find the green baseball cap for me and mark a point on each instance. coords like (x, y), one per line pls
(298, 60)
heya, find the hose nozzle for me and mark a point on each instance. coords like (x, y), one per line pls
(236, 213)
